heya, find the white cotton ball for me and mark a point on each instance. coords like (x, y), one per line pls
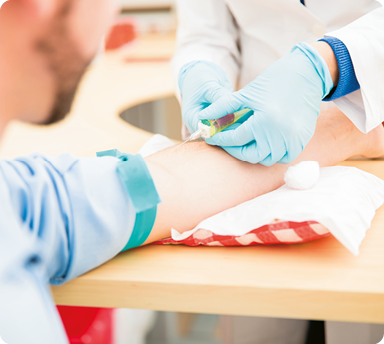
(302, 176)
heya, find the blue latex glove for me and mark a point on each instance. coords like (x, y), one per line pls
(286, 102)
(201, 83)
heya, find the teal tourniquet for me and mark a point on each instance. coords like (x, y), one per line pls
(142, 192)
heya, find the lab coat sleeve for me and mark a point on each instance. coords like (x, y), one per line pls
(364, 39)
(77, 207)
(206, 31)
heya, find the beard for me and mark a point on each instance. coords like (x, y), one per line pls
(65, 63)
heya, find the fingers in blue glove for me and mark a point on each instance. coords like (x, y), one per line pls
(215, 93)
(239, 136)
(277, 153)
(247, 152)
(222, 107)
(201, 83)
(291, 155)
(253, 151)
(255, 141)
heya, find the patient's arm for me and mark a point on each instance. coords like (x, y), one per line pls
(196, 180)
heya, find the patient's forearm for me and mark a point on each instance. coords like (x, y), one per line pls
(196, 180)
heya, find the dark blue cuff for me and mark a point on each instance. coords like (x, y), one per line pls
(347, 78)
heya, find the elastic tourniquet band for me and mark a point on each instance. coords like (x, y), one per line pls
(139, 185)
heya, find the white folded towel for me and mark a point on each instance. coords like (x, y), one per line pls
(344, 200)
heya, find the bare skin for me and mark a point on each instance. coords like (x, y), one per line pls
(198, 180)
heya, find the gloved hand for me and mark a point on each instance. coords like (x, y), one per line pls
(201, 83)
(285, 99)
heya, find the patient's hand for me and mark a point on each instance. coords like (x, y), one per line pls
(197, 181)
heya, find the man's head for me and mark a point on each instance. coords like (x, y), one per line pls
(45, 47)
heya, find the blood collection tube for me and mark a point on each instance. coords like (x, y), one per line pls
(210, 127)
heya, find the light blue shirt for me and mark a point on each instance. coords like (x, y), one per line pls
(42, 201)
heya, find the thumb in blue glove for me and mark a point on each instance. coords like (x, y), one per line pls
(285, 100)
(201, 83)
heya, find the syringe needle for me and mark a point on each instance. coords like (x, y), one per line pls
(194, 136)
(180, 144)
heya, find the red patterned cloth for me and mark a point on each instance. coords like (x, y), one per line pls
(278, 232)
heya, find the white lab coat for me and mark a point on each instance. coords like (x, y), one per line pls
(244, 37)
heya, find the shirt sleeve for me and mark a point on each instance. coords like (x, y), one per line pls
(78, 208)
(206, 31)
(27, 312)
(364, 40)
(347, 78)
(59, 218)
(25, 298)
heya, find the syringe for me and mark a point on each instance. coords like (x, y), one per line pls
(210, 127)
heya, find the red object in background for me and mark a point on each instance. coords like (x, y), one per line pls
(87, 324)
(122, 33)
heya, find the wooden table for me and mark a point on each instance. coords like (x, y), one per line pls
(316, 280)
